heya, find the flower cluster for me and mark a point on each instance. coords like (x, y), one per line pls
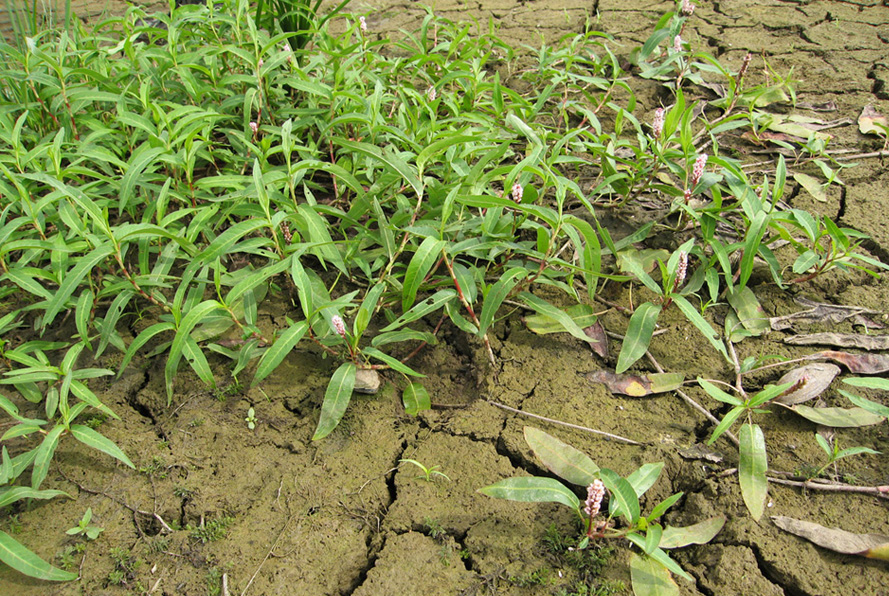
(431, 94)
(677, 44)
(687, 9)
(338, 325)
(595, 493)
(517, 192)
(658, 124)
(681, 270)
(363, 24)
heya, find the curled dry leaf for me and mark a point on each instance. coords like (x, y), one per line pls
(637, 385)
(873, 546)
(843, 340)
(819, 312)
(809, 382)
(599, 343)
(862, 364)
(870, 120)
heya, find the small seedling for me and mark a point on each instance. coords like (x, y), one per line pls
(250, 419)
(834, 453)
(83, 527)
(429, 474)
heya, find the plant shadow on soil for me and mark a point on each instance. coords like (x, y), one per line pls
(275, 513)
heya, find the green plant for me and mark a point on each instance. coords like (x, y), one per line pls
(83, 527)
(251, 418)
(429, 473)
(651, 571)
(834, 453)
(210, 531)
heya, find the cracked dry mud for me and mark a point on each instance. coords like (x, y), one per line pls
(340, 516)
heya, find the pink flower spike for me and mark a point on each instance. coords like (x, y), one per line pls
(517, 192)
(261, 62)
(595, 493)
(681, 270)
(430, 93)
(687, 9)
(677, 44)
(658, 124)
(338, 325)
(363, 24)
(254, 127)
(698, 171)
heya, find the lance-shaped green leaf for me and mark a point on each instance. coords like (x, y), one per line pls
(623, 497)
(582, 314)
(421, 263)
(532, 489)
(14, 554)
(699, 533)
(43, 455)
(645, 477)
(560, 458)
(194, 316)
(542, 307)
(422, 308)
(638, 336)
(73, 279)
(415, 399)
(395, 163)
(90, 437)
(336, 399)
(650, 578)
(692, 314)
(497, 294)
(276, 353)
(752, 469)
(393, 363)
(11, 494)
(838, 417)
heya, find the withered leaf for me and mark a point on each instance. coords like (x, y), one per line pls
(873, 546)
(809, 382)
(843, 340)
(599, 343)
(863, 364)
(818, 312)
(870, 121)
(637, 385)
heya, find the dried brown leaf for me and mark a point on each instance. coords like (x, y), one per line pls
(843, 340)
(599, 343)
(819, 312)
(835, 539)
(637, 385)
(870, 120)
(809, 382)
(862, 364)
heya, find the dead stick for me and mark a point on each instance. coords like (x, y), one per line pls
(568, 424)
(727, 434)
(877, 491)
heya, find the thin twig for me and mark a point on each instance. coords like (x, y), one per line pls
(727, 434)
(568, 424)
(881, 492)
(135, 510)
(267, 555)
